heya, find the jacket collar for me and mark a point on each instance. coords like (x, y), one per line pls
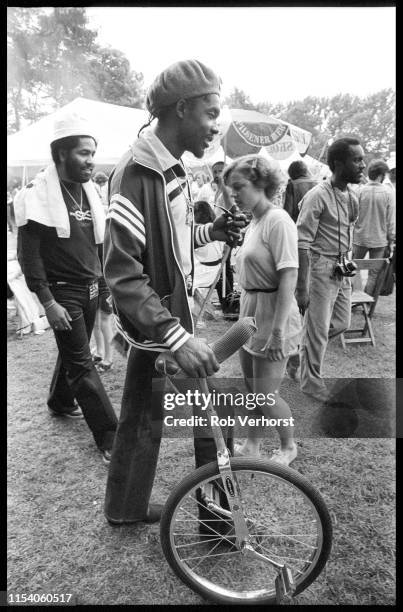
(148, 150)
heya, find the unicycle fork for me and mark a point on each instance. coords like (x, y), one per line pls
(285, 585)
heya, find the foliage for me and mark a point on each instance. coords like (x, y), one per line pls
(239, 99)
(53, 57)
(371, 119)
(113, 79)
(22, 73)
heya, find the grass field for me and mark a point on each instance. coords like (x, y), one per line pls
(60, 542)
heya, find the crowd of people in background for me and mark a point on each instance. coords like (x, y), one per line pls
(136, 254)
(374, 235)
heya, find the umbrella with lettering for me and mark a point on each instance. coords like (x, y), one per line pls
(244, 132)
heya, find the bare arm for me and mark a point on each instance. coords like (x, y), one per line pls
(275, 346)
(302, 291)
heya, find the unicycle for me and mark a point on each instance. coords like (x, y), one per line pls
(244, 530)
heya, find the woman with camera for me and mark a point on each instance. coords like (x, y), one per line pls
(268, 266)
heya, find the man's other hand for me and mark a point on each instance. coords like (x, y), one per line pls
(227, 228)
(58, 317)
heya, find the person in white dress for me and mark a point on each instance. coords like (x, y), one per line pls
(268, 269)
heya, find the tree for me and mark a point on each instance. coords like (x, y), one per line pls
(22, 64)
(370, 119)
(114, 81)
(53, 57)
(239, 99)
(67, 46)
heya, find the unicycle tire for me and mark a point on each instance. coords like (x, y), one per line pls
(287, 519)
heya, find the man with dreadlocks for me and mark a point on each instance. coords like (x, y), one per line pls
(148, 255)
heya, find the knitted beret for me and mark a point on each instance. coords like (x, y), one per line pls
(185, 79)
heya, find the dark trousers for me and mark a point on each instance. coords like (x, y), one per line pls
(229, 284)
(136, 446)
(75, 376)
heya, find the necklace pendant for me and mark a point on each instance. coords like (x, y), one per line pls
(189, 215)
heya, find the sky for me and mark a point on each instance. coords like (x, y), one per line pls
(274, 54)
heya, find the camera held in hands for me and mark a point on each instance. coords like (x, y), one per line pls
(344, 267)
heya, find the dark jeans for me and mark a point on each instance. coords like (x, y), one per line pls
(75, 376)
(136, 446)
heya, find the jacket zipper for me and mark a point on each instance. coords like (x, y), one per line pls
(172, 244)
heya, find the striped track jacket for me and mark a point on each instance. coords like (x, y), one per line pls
(141, 255)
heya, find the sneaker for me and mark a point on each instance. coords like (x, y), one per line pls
(284, 457)
(239, 451)
(70, 412)
(106, 456)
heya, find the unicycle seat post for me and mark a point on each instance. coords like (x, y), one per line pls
(222, 450)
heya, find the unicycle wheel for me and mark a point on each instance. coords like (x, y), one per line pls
(287, 521)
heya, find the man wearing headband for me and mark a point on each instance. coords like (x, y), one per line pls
(148, 252)
(61, 223)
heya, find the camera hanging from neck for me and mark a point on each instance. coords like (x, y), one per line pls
(344, 266)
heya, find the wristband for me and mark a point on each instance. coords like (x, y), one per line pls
(49, 304)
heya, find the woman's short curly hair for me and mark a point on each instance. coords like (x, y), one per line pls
(261, 172)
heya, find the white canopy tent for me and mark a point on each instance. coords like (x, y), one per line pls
(318, 169)
(115, 128)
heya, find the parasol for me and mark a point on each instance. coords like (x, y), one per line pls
(244, 132)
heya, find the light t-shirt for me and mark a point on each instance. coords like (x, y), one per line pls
(270, 244)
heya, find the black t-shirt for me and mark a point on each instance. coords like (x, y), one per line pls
(46, 258)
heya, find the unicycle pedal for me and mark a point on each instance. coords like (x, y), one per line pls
(284, 584)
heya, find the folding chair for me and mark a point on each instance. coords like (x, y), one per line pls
(367, 302)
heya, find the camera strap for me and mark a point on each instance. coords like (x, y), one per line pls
(338, 219)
